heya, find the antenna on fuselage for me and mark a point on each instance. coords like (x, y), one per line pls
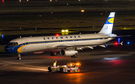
(80, 33)
(20, 36)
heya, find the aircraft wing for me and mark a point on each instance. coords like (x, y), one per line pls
(121, 36)
(115, 43)
(79, 47)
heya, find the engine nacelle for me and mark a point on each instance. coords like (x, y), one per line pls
(68, 52)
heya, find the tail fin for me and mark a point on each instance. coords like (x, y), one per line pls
(108, 26)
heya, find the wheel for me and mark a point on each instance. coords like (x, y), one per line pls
(49, 68)
(74, 56)
(61, 69)
(53, 53)
(68, 71)
(19, 58)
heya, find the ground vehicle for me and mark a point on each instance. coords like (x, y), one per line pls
(70, 67)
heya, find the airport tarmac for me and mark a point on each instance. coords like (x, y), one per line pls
(98, 66)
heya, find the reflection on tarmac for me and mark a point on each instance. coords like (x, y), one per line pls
(40, 62)
(98, 67)
(75, 77)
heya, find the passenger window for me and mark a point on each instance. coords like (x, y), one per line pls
(66, 37)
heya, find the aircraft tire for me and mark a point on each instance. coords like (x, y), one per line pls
(53, 53)
(61, 69)
(74, 56)
(19, 58)
(49, 68)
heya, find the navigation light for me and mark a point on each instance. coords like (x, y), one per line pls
(57, 35)
(116, 43)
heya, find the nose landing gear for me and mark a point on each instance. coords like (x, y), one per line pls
(19, 57)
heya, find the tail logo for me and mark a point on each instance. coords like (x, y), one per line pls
(111, 20)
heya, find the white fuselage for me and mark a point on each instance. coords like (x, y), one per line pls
(32, 44)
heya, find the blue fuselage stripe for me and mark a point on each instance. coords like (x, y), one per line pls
(62, 41)
(14, 48)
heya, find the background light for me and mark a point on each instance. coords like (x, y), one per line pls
(2, 36)
(82, 11)
(118, 40)
(128, 42)
(64, 32)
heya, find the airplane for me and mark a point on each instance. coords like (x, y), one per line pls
(68, 45)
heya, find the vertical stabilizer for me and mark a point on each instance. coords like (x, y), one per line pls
(108, 26)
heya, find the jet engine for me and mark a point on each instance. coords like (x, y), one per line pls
(67, 52)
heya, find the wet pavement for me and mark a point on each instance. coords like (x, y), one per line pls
(98, 66)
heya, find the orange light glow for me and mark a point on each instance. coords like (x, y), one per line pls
(71, 64)
(78, 64)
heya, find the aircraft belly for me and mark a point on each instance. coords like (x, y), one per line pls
(34, 47)
(45, 46)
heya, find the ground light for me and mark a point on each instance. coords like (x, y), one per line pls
(128, 42)
(82, 11)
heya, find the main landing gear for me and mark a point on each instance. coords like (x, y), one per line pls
(74, 56)
(53, 53)
(19, 56)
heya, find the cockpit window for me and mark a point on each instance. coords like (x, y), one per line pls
(13, 43)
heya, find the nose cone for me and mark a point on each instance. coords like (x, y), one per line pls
(6, 48)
